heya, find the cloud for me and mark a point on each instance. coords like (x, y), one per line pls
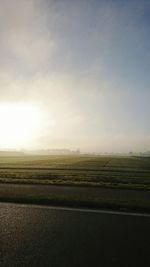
(26, 42)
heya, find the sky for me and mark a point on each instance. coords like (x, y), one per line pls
(85, 65)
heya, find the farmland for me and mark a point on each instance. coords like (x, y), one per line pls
(89, 181)
(111, 172)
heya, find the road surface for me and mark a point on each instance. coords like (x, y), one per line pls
(44, 236)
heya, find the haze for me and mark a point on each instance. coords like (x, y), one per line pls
(84, 65)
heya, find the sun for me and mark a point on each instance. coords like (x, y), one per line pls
(19, 125)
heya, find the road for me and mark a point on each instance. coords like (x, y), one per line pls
(48, 237)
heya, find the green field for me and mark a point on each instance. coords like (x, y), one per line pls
(81, 181)
(111, 172)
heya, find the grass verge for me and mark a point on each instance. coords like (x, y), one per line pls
(101, 202)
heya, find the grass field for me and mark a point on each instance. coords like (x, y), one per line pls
(112, 172)
(123, 182)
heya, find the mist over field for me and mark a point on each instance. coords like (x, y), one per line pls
(77, 73)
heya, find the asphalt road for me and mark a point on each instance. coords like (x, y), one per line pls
(44, 236)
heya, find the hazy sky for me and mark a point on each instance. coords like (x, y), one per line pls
(85, 64)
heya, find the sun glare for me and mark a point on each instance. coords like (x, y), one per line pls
(19, 124)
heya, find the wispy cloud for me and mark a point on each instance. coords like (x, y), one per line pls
(26, 44)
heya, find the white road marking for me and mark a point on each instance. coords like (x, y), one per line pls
(86, 210)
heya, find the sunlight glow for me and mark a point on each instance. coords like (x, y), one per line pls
(19, 124)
